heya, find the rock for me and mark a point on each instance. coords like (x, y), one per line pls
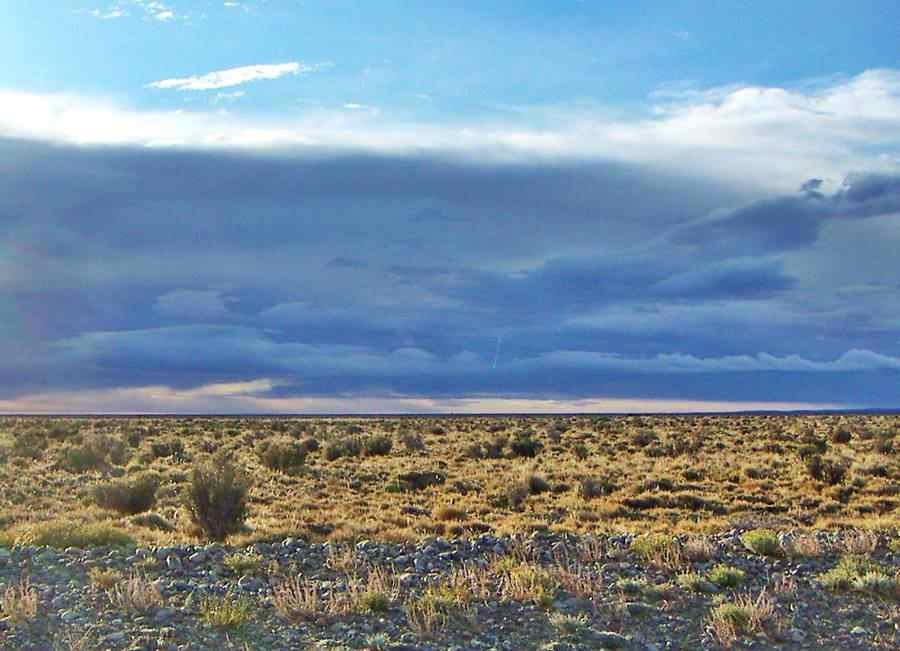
(251, 584)
(638, 608)
(858, 631)
(610, 640)
(797, 635)
(69, 616)
(163, 615)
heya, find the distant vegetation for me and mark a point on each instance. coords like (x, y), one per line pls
(167, 480)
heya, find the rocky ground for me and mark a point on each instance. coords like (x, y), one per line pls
(620, 597)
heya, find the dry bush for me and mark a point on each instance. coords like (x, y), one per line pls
(859, 542)
(96, 451)
(699, 548)
(127, 496)
(19, 602)
(525, 446)
(829, 470)
(217, 498)
(281, 453)
(137, 594)
(447, 513)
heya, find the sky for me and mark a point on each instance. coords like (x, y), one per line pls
(325, 206)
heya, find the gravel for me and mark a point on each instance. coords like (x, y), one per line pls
(74, 612)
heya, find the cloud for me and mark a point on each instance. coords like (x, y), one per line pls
(758, 138)
(195, 305)
(235, 76)
(162, 399)
(114, 11)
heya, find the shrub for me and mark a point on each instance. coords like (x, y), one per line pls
(493, 449)
(444, 513)
(590, 487)
(167, 447)
(378, 445)
(726, 576)
(644, 437)
(281, 453)
(152, 521)
(761, 541)
(310, 444)
(96, 451)
(65, 533)
(217, 498)
(829, 470)
(580, 451)
(841, 435)
(19, 603)
(137, 594)
(351, 446)
(885, 445)
(29, 444)
(412, 441)
(525, 446)
(128, 497)
(515, 495)
(536, 484)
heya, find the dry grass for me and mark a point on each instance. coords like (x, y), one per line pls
(673, 474)
(136, 593)
(19, 602)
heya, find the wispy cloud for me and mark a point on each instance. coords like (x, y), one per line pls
(115, 11)
(235, 76)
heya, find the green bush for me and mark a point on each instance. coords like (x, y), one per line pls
(725, 576)
(217, 498)
(761, 541)
(65, 533)
(96, 451)
(128, 496)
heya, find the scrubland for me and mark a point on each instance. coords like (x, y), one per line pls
(552, 533)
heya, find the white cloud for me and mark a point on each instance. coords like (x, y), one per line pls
(235, 76)
(772, 139)
(114, 11)
(248, 397)
(852, 360)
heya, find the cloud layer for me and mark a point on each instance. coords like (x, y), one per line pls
(339, 261)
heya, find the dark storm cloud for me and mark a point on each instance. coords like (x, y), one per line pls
(792, 222)
(336, 272)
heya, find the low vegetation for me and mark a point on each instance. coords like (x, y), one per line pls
(88, 481)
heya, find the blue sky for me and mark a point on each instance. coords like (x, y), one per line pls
(394, 206)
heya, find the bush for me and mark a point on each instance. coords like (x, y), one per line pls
(841, 435)
(525, 446)
(345, 447)
(644, 437)
(536, 484)
(829, 470)
(726, 576)
(378, 445)
(217, 498)
(168, 447)
(29, 444)
(127, 497)
(281, 453)
(96, 451)
(761, 541)
(493, 449)
(66, 533)
(589, 487)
